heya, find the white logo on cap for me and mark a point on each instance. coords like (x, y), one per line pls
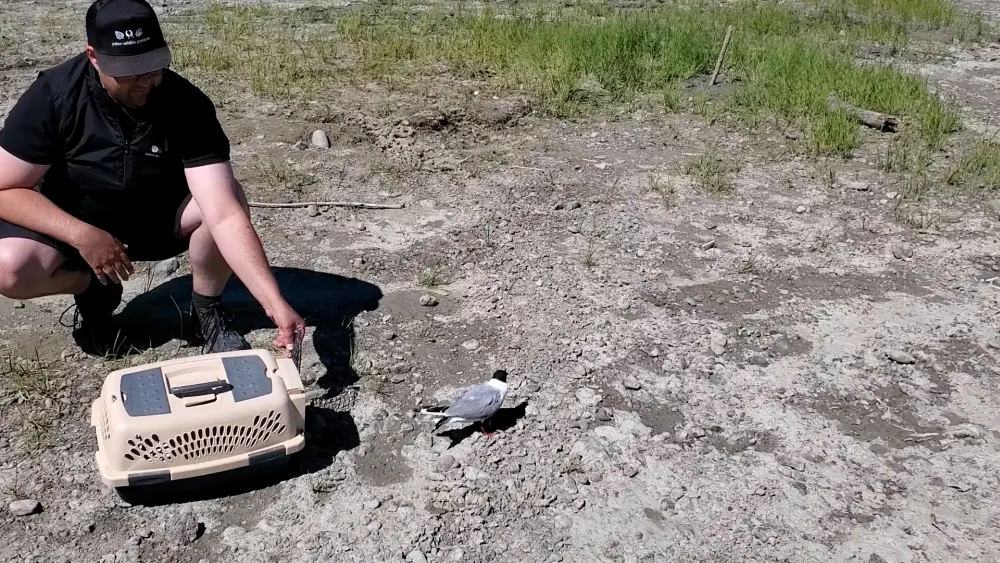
(138, 32)
(119, 35)
(129, 33)
(129, 37)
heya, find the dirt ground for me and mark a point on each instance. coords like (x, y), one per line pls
(791, 372)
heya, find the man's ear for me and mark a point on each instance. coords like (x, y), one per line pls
(92, 55)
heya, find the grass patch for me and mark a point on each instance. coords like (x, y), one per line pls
(596, 58)
(710, 174)
(28, 378)
(979, 169)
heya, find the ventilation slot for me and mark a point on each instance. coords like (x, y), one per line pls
(206, 442)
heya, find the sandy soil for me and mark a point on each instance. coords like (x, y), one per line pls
(753, 377)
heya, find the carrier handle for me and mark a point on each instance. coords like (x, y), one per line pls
(198, 389)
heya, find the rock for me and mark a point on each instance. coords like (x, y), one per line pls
(966, 430)
(445, 463)
(876, 558)
(902, 251)
(788, 461)
(312, 211)
(994, 343)
(415, 556)
(19, 305)
(471, 345)
(717, 343)
(181, 529)
(708, 245)
(573, 205)
(993, 206)
(26, 507)
(362, 227)
(631, 470)
(900, 357)
(428, 300)
(631, 383)
(458, 554)
(587, 396)
(800, 209)
(320, 139)
(166, 267)
(603, 415)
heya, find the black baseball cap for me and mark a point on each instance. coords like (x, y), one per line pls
(127, 37)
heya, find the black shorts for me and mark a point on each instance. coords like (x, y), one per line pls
(156, 239)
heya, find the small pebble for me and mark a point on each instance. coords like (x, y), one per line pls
(26, 507)
(312, 211)
(320, 139)
(902, 251)
(800, 209)
(900, 357)
(428, 300)
(471, 345)
(632, 384)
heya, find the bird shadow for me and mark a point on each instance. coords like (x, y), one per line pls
(329, 303)
(503, 420)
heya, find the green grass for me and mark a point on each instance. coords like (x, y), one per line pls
(597, 59)
(979, 169)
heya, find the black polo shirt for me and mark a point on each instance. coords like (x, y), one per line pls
(118, 169)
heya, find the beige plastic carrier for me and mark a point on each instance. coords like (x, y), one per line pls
(195, 416)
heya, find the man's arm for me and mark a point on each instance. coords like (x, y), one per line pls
(22, 205)
(213, 189)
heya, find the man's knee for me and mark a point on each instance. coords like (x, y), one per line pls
(14, 266)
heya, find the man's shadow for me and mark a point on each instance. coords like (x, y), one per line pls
(328, 302)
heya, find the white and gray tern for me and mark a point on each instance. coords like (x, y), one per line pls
(477, 404)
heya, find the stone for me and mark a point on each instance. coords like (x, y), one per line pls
(471, 345)
(902, 251)
(800, 209)
(445, 463)
(166, 267)
(320, 139)
(428, 300)
(717, 343)
(631, 383)
(900, 357)
(25, 507)
(416, 556)
(312, 211)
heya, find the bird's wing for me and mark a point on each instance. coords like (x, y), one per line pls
(477, 403)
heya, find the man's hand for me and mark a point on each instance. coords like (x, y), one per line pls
(106, 256)
(288, 322)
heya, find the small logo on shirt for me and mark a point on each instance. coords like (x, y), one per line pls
(154, 151)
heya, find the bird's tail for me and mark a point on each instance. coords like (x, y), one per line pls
(437, 410)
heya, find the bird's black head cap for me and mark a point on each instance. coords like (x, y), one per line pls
(500, 375)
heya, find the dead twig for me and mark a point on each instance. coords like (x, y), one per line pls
(722, 55)
(881, 121)
(354, 204)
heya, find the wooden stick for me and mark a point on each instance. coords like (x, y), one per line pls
(722, 55)
(355, 204)
(875, 120)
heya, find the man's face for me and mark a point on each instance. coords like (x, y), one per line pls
(129, 91)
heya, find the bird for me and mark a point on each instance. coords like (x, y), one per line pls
(476, 404)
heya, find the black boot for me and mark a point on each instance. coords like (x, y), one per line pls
(211, 328)
(95, 328)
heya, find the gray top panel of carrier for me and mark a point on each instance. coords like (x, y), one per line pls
(144, 393)
(248, 376)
